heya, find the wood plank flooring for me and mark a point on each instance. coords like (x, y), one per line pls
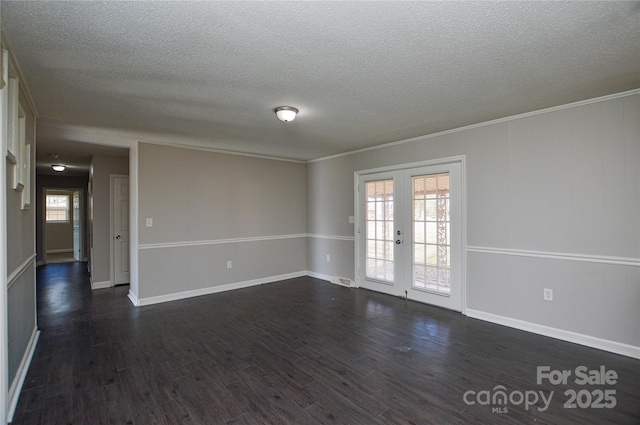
(300, 351)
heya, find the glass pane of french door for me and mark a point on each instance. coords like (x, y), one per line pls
(431, 223)
(379, 245)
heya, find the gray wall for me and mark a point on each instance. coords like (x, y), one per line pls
(102, 167)
(60, 237)
(61, 182)
(564, 184)
(21, 302)
(201, 203)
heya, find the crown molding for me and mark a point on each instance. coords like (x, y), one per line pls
(485, 123)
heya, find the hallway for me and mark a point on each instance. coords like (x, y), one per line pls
(294, 352)
(73, 355)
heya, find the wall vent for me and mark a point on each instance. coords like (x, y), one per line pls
(342, 281)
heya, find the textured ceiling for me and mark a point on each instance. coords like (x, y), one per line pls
(361, 73)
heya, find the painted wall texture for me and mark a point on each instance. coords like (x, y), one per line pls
(563, 183)
(210, 208)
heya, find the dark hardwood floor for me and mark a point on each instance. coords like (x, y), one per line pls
(300, 351)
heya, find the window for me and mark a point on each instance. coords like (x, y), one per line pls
(57, 208)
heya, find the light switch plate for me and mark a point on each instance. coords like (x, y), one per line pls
(352, 219)
(149, 222)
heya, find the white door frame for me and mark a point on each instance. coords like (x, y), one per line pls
(81, 228)
(112, 262)
(4, 328)
(43, 220)
(463, 218)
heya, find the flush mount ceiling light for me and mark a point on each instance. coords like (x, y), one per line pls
(58, 168)
(286, 113)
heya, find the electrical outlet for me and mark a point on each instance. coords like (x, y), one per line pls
(548, 294)
(352, 219)
(328, 258)
(229, 264)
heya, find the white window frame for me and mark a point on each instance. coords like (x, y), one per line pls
(67, 210)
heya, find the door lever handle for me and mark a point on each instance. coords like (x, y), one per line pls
(398, 241)
(118, 237)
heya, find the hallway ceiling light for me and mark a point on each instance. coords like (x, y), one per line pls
(58, 168)
(286, 113)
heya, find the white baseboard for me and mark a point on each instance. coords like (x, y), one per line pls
(133, 298)
(319, 276)
(138, 302)
(587, 340)
(100, 285)
(21, 374)
(59, 251)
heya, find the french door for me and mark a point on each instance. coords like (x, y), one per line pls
(409, 233)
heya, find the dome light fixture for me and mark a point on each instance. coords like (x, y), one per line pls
(59, 168)
(286, 113)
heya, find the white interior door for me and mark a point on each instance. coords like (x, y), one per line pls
(77, 226)
(410, 233)
(120, 234)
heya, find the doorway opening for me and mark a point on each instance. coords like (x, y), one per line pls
(411, 232)
(64, 225)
